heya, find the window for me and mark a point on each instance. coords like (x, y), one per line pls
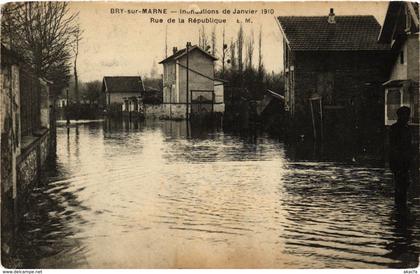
(402, 57)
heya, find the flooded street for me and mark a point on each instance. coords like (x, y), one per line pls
(157, 194)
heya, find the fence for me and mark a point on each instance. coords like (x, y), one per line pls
(202, 101)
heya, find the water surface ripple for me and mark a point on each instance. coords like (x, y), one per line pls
(159, 194)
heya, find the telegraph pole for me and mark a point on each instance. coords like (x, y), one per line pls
(67, 107)
(187, 84)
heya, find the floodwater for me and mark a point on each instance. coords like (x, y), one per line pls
(159, 194)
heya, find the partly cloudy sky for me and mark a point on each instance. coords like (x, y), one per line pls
(129, 44)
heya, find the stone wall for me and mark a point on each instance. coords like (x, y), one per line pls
(31, 161)
(23, 152)
(165, 111)
(153, 111)
(172, 111)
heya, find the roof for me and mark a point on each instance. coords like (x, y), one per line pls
(123, 84)
(275, 94)
(394, 13)
(183, 51)
(349, 33)
(396, 83)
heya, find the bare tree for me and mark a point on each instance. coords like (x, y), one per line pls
(203, 41)
(260, 57)
(240, 45)
(166, 41)
(213, 41)
(43, 34)
(93, 91)
(249, 50)
(77, 38)
(233, 55)
(8, 22)
(224, 51)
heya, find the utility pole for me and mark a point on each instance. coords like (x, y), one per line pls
(187, 84)
(223, 52)
(166, 41)
(67, 107)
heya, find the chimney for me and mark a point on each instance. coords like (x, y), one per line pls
(174, 50)
(331, 17)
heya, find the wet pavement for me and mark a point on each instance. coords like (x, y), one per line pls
(159, 194)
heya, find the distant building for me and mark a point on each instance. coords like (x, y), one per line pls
(120, 88)
(61, 102)
(205, 93)
(401, 32)
(333, 68)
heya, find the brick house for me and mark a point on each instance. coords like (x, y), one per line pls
(333, 68)
(205, 92)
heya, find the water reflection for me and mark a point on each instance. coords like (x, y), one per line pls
(403, 246)
(169, 194)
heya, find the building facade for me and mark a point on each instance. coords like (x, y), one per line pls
(205, 93)
(333, 68)
(25, 125)
(401, 32)
(118, 89)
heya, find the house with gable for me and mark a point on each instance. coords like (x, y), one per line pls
(334, 70)
(205, 93)
(401, 32)
(123, 93)
(118, 88)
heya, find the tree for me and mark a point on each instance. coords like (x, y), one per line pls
(203, 41)
(240, 45)
(43, 34)
(77, 37)
(93, 91)
(260, 62)
(213, 41)
(233, 55)
(224, 51)
(249, 50)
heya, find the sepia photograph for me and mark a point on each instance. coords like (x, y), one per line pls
(210, 135)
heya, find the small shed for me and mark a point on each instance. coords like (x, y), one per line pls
(117, 88)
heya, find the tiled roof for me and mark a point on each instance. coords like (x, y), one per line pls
(349, 33)
(123, 84)
(182, 52)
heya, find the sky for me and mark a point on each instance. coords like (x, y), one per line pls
(123, 44)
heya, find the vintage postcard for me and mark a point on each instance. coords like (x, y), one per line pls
(210, 135)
